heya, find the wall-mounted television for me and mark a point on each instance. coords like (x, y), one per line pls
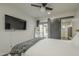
(13, 23)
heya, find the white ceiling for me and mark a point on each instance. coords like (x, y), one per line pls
(57, 8)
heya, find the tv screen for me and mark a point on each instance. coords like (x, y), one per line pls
(14, 23)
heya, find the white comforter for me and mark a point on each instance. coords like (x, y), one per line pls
(53, 47)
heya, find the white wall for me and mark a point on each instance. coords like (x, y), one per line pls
(75, 22)
(63, 14)
(10, 38)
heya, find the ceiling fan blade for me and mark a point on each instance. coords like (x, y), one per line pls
(48, 8)
(35, 5)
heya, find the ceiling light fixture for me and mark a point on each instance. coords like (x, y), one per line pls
(43, 9)
(63, 27)
(49, 12)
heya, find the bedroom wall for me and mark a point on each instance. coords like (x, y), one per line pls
(70, 13)
(75, 22)
(62, 14)
(10, 38)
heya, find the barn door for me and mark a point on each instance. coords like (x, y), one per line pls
(55, 29)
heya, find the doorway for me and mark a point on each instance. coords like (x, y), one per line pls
(42, 30)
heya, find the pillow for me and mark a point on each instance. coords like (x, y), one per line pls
(75, 40)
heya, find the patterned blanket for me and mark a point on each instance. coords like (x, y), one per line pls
(24, 46)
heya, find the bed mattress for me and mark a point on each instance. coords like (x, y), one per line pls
(53, 47)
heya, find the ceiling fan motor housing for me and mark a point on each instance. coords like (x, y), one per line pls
(44, 4)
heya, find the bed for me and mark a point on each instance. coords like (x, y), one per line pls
(54, 47)
(20, 48)
(47, 47)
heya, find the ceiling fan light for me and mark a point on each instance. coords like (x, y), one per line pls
(42, 9)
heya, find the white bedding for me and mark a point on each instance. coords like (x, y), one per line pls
(53, 47)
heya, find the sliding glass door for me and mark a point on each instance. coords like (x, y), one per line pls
(42, 30)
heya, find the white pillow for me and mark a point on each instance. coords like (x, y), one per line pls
(75, 40)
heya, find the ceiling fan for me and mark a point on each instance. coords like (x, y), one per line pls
(43, 6)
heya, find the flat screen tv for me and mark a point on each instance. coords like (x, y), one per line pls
(13, 23)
